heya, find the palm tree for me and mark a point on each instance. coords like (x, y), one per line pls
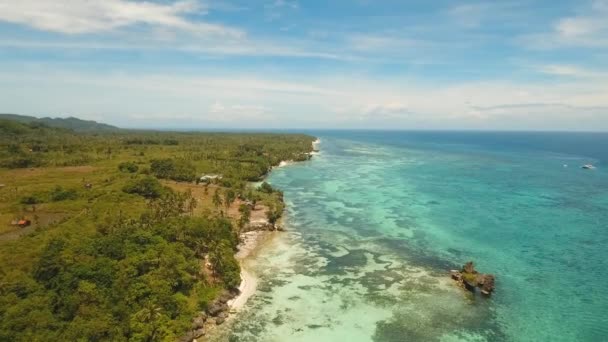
(229, 198)
(217, 200)
(245, 215)
(151, 312)
(192, 205)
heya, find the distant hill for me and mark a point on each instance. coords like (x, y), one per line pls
(72, 123)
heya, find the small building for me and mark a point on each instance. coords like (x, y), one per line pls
(23, 223)
(88, 186)
(209, 178)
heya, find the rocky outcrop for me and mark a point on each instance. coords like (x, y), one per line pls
(487, 284)
(199, 321)
(216, 313)
(221, 317)
(215, 308)
(469, 279)
(199, 333)
(262, 225)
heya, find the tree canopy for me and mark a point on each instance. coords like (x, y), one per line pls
(117, 251)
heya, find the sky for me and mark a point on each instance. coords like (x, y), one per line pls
(339, 64)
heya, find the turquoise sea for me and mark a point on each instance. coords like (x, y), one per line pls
(377, 219)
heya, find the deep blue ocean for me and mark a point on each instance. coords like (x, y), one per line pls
(377, 219)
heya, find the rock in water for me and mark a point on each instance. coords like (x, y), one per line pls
(487, 284)
(470, 279)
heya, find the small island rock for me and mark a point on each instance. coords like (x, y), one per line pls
(470, 279)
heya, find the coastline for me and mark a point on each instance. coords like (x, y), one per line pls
(373, 276)
(252, 242)
(248, 248)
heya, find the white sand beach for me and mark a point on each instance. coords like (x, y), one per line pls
(251, 242)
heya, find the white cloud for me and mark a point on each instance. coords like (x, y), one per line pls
(385, 111)
(578, 26)
(469, 15)
(588, 29)
(212, 47)
(474, 15)
(266, 100)
(170, 26)
(234, 113)
(563, 70)
(572, 71)
(82, 17)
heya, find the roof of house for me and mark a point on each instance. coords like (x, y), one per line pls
(210, 176)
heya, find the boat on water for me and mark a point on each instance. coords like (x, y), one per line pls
(588, 167)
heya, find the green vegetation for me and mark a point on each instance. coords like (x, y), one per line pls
(177, 170)
(148, 187)
(31, 200)
(120, 229)
(275, 212)
(266, 188)
(61, 194)
(129, 167)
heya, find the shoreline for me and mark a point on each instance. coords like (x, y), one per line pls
(251, 244)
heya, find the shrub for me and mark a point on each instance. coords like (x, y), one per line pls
(31, 200)
(162, 168)
(171, 142)
(177, 170)
(266, 188)
(22, 162)
(59, 194)
(129, 167)
(148, 187)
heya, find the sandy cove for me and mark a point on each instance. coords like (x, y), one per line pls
(219, 316)
(251, 243)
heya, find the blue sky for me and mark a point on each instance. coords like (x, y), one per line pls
(308, 64)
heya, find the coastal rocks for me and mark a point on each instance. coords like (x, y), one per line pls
(219, 308)
(487, 284)
(199, 333)
(198, 328)
(199, 322)
(215, 308)
(470, 279)
(191, 336)
(188, 337)
(221, 318)
(216, 313)
(261, 225)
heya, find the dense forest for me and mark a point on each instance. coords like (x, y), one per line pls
(125, 235)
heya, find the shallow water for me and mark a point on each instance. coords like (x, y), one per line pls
(376, 221)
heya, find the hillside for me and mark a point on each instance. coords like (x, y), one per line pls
(72, 123)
